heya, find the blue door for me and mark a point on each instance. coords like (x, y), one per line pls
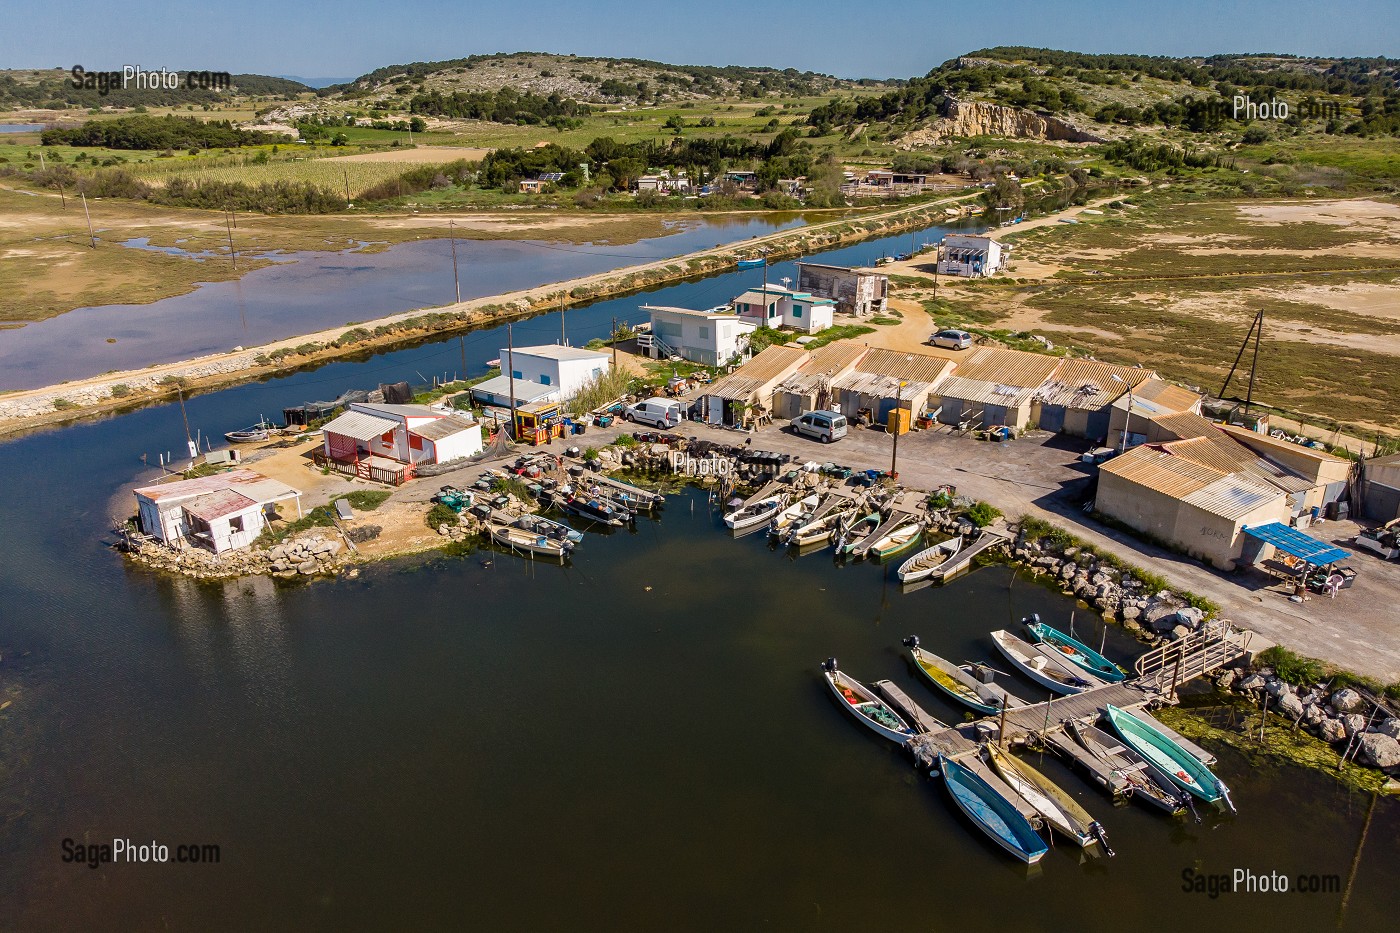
(1052, 418)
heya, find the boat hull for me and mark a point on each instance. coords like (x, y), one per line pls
(960, 685)
(920, 566)
(1077, 653)
(1184, 769)
(992, 813)
(1049, 674)
(1147, 782)
(1055, 807)
(843, 688)
(895, 543)
(739, 522)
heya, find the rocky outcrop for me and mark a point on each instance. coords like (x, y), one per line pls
(313, 555)
(965, 118)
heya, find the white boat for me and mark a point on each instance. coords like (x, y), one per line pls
(557, 531)
(519, 539)
(1061, 811)
(791, 515)
(820, 531)
(863, 704)
(252, 434)
(755, 513)
(923, 563)
(1043, 668)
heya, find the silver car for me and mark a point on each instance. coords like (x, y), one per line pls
(825, 426)
(952, 339)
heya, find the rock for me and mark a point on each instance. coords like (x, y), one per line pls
(1067, 571)
(1131, 612)
(1226, 679)
(308, 568)
(1180, 632)
(1253, 682)
(1347, 700)
(1290, 706)
(1390, 727)
(1380, 751)
(1314, 713)
(1331, 730)
(443, 530)
(1130, 625)
(1354, 723)
(277, 552)
(1278, 688)
(1191, 617)
(1163, 623)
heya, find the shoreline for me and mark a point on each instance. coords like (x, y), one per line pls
(27, 409)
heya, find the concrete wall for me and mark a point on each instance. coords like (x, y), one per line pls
(856, 293)
(462, 444)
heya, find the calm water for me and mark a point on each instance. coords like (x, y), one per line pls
(21, 127)
(309, 291)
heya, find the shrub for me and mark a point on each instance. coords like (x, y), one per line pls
(366, 500)
(1290, 666)
(63, 404)
(983, 514)
(441, 514)
(121, 390)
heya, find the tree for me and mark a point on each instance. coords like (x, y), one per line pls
(625, 171)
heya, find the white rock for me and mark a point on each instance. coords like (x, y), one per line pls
(1379, 750)
(1347, 700)
(1331, 730)
(1290, 706)
(1354, 723)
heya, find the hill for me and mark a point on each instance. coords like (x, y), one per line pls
(583, 79)
(53, 89)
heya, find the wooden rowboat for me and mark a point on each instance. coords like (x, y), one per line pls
(1061, 811)
(994, 814)
(755, 514)
(1144, 780)
(530, 542)
(1081, 655)
(1043, 668)
(960, 681)
(1183, 768)
(865, 706)
(792, 515)
(922, 564)
(897, 542)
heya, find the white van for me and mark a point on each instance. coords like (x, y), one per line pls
(825, 426)
(658, 412)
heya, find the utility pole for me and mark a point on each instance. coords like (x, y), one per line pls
(189, 442)
(61, 198)
(456, 281)
(1254, 365)
(613, 335)
(563, 334)
(233, 254)
(510, 368)
(91, 238)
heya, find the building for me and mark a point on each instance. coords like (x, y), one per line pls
(711, 338)
(970, 256)
(566, 368)
(862, 292)
(1380, 488)
(995, 387)
(497, 389)
(811, 387)
(533, 185)
(747, 392)
(1326, 474)
(776, 306)
(1078, 399)
(885, 379)
(1199, 509)
(220, 512)
(664, 183)
(383, 443)
(1150, 400)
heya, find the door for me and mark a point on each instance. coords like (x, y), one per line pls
(1097, 428)
(1052, 418)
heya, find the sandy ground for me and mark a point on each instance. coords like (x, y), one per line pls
(423, 155)
(1349, 212)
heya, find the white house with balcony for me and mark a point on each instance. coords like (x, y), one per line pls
(710, 338)
(970, 256)
(778, 306)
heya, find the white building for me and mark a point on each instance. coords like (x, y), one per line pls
(384, 442)
(970, 256)
(710, 338)
(775, 306)
(564, 368)
(220, 512)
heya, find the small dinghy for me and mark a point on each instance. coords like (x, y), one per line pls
(592, 509)
(1144, 780)
(961, 681)
(756, 513)
(865, 706)
(252, 434)
(994, 814)
(1043, 668)
(1183, 768)
(1081, 655)
(897, 542)
(1055, 806)
(923, 563)
(818, 531)
(854, 532)
(519, 539)
(792, 515)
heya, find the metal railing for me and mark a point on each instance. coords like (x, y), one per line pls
(1213, 646)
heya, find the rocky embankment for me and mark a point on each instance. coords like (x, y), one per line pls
(309, 556)
(969, 118)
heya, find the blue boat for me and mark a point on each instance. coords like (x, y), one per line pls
(1184, 769)
(994, 814)
(751, 263)
(1074, 651)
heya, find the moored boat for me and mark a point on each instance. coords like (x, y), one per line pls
(922, 564)
(1183, 768)
(817, 531)
(590, 508)
(251, 434)
(1045, 669)
(1145, 781)
(548, 527)
(854, 532)
(1055, 806)
(961, 682)
(1080, 654)
(755, 513)
(750, 263)
(520, 539)
(993, 813)
(897, 542)
(865, 706)
(793, 514)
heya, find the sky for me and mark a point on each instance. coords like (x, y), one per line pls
(346, 38)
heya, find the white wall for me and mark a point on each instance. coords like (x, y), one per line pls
(462, 444)
(568, 375)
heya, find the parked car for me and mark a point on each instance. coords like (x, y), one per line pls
(825, 426)
(952, 339)
(657, 412)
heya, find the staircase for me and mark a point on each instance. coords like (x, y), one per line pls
(1213, 646)
(657, 348)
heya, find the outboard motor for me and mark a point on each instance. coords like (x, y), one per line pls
(912, 641)
(829, 665)
(1102, 836)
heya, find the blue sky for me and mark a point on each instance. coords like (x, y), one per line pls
(321, 38)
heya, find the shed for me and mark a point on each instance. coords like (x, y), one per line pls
(220, 512)
(1077, 399)
(995, 387)
(751, 385)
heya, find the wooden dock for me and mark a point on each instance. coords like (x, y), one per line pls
(912, 712)
(963, 559)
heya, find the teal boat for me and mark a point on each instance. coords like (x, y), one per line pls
(1080, 654)
(1183, 768)
(994, 814)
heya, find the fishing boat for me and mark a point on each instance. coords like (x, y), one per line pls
(251, 434)
(897, 542)
(1081, 655)
(853, 533)
(993, 813)
(863, 704)
(592, 509)
(1185, 770)
(921, 564)
(792, 515)
(1045, 669)
(540, 525)
(1055, 806)
(756, 513)
(1145, 781)
(817, 531)
(960, 681)
(750, 263)
(519, 539)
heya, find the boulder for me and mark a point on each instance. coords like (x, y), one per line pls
(1390, 727)
(1380, 751)
(1180, 632)
(1314, 713)
(1131, 612)
(1354, 723)
(1278, 688)
(1163, 623)
(308, 568)
(1331, 730)
(1347, 700)
(1191, 617)
(1226, 679)
(1253, 682)
(1290, 706)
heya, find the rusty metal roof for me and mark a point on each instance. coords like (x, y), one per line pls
(1009, 367)
(773, 364)
(920, 367)
(217, 504)
(1254, 438)
(1165, 397)
(443, 427)
(1157, 469)
(1089, 385)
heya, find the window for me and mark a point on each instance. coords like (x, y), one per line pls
(544, 379)
(797, 311)
(235, 524)
(387, 439)
(415, 442)
(704, 333)
(516, 374)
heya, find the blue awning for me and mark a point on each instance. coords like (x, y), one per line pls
(1293, 541)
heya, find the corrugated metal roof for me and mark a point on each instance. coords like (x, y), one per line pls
(400, 411)
(1165, 397)
(882, 386)
(1233, 497)
(923, 367)
(1185, 425)
(1009, 367)
(1161, 472)
(214, 505)
(360, 425)
(1088, 385)
(1221, 453)
(985, 393)
(825, 363)
(248, 482)
(1255, 439)
(444, 427)
(267, 490)
(525, 390)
